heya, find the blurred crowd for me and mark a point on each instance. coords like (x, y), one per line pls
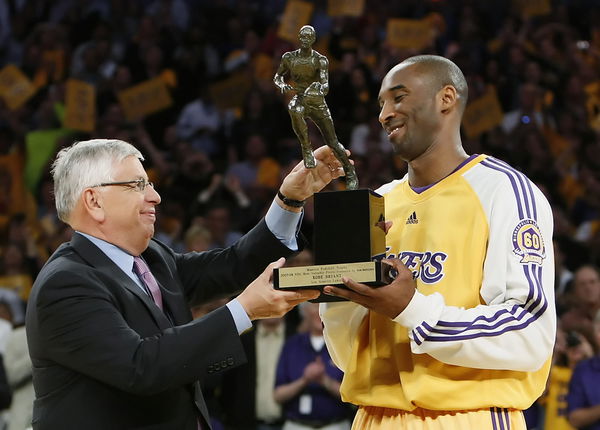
(218, 150)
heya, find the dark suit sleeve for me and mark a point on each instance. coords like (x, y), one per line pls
(230, 270)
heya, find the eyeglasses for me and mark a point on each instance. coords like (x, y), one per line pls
(139, 184)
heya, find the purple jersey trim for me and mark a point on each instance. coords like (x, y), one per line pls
(525, 179)
(521, 183)
(523, 190)
(513, 183)
(419, 190)
(500, 418)
(523, 315)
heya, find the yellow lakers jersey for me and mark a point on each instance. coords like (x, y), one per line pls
(479, 331)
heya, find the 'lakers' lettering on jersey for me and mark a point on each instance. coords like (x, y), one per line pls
(427, 266)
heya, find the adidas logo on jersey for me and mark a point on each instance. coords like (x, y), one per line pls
(412, 219)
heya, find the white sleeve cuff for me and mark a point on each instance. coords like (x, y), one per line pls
(284, 225)
(240, 317)
(421, 308)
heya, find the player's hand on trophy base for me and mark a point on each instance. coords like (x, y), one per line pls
(389, 300)
(260, 300)
(301, 183)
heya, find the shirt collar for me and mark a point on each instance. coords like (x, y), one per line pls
(121, 258)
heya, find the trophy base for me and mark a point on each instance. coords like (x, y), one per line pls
(372, 273)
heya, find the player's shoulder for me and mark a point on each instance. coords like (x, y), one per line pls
(494, 179)
(497, 173)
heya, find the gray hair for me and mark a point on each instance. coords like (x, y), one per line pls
(85, 164)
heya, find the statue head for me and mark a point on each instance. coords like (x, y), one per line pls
(307, 36)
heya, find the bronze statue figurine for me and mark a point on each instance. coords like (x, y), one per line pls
(309, 71)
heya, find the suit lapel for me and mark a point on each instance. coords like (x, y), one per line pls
(98, 259)
(173, 300)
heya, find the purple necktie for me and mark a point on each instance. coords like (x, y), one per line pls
(141, 269)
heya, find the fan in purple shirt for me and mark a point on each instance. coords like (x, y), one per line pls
(584, 390)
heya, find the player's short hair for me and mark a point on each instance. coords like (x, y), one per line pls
(443, 72)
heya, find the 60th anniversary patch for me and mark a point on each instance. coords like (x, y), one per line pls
(528, 242)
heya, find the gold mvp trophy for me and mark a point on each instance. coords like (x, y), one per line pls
(349, 236)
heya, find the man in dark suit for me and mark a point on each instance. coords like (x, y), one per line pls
(109, 329)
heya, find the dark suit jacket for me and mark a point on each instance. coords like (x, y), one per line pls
(105, 357)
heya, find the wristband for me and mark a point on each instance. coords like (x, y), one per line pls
(290, 202)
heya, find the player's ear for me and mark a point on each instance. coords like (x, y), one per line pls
(448, 97)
